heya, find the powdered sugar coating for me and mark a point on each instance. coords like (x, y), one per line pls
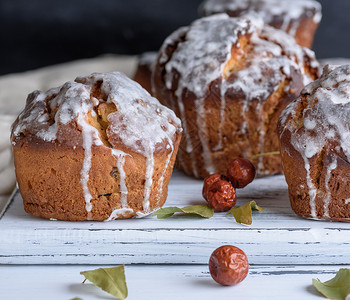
(289, 12)
(140, 124)
(323, 120)
(202, 52)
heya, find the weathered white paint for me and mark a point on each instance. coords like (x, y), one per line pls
(163, 282)
(277, 235)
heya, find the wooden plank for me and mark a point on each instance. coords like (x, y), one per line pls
(277, 236)
(163, 282)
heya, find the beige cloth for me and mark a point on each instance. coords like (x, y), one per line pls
(14, 89)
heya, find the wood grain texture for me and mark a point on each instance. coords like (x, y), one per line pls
(164, 282)
(277, 235)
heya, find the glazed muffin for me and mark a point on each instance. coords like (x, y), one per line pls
(315, 147)
(299, 18)
(228, 79)
(97, 148)
(144, 70)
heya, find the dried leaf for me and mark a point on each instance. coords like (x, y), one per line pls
(336, 288)
(243, 214)
(111, 280)
(204, 211)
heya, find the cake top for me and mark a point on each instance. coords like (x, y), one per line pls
(102, 102)
(321, 114)
(204, 49)
(269, 10)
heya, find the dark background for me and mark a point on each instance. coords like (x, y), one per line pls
(36, 33)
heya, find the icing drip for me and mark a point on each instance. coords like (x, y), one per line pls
(161, 180)
(323, 121)
(327, 198)
(148, 182)
(261, 132)
(202, 133)
(223, 89)
(120, 212)
(312, 188)
(87, 144)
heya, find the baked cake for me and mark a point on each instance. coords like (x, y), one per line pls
(228, 79)
(97, 148)
(299, 18)
(315, 147)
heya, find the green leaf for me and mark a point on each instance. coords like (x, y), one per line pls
(204, 211)
(166, 212)
(336, 288)
(243, 214)
(76, 298)
(111, 280)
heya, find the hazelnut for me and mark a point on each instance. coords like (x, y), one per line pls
(219, 193)
(228, 265)
(240, 172)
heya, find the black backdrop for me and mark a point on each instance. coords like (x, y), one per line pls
(36, 33)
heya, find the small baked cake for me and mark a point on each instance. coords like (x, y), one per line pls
(315, 147)
(299, 18)
(144, 70)
(228, 79)
(97, 148)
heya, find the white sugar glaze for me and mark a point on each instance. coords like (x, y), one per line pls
(202, 52)
(140, 123)
(268, 10)
(325, 119)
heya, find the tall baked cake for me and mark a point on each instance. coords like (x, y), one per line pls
(315, 146)
(228, 79)
(299, 18)
(97, 148)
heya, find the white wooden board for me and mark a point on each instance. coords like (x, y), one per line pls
(164, 282)
(277, 236)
